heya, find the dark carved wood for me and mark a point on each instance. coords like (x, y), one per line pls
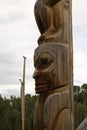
(52, 68)
(53, 62)
(51, 76)
(50, 16)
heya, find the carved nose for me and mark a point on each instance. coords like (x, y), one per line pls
(36, 73)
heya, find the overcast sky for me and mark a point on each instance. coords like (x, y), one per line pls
(18, 37)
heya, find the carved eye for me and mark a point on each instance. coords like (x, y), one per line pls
(44, 60)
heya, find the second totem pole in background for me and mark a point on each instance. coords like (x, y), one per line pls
(53, 61)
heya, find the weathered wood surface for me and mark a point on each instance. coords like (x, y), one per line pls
(83, 125)
(53, 20)
(52, 111)
(53, 61)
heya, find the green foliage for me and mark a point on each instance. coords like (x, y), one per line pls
(76, 89)
(80, 104)
(10, 109)
(10, 113)
(29, 111)
(80, 113)
(84, 87)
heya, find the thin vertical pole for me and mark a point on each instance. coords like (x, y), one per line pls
(23, 97)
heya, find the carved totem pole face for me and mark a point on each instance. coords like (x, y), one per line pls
(51, 66)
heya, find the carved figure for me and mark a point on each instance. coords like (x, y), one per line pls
(51, 63)
(52, 111)
(53, 66)
(49, 15)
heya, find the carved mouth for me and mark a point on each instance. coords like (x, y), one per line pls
(41, 85)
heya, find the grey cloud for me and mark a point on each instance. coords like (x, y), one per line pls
(12, 17)
(10, 92)
(9, 2)
(10, 69)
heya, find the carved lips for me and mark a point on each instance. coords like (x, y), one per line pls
(41, 84)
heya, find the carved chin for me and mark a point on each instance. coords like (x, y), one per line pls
(41, 86)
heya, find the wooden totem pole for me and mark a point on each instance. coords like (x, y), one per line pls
(53, 61)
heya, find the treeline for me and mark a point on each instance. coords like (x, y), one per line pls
(10, 109)
(10, 112)
(80, 103)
